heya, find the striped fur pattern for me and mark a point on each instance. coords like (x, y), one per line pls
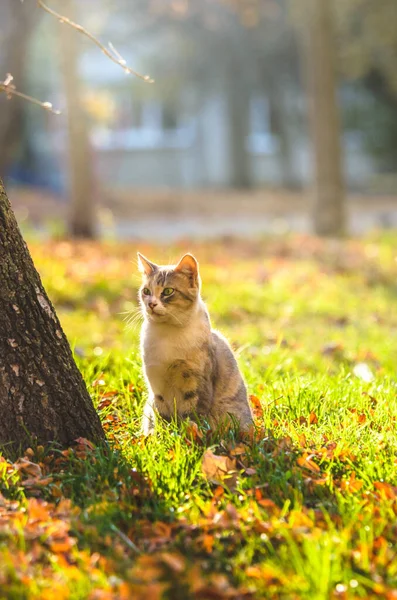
(189, 368)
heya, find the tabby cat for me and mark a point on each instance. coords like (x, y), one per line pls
(189, 368)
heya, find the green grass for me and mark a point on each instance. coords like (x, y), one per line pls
(310, 508)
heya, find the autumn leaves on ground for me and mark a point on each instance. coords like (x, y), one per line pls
(304, 509)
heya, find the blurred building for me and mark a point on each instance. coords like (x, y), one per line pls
(180, 134)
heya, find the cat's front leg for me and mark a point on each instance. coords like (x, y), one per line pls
(148, 419)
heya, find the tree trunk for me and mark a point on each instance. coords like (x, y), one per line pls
(17, 22)
(42, 394)
(80, 153)
(329, 199)
(238, 103)
(280, 126)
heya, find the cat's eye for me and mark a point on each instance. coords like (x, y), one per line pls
(146, 291)
(168, 291)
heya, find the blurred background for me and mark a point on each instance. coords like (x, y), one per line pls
(265, 116)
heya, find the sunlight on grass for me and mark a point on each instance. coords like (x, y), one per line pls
(308, 509)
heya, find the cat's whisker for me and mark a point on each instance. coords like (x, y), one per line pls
(132, 317)
(134, 321)
(130, 310)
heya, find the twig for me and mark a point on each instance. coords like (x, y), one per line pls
(10, 90)
(125, 539)
(112, 53)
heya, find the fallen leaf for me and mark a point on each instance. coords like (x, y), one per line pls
(28, 468)
(313, 420)
(208, 543)
(306, 461)
(216, 467)
(256, 406)
(174, 561)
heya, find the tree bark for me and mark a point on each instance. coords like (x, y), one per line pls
(80, 153)
(42, 394)
(329, 198)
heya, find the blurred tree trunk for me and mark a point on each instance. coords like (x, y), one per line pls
(329, 196)
(42, 393)
(80, 154)
(17, 24)
(280, 127)
(238, 103)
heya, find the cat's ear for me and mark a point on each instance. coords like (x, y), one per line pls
(145, 266)
(189, 266)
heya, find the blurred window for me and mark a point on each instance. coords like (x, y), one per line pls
(261, 139)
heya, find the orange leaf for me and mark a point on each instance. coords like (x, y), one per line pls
(208, 543)
(254, 572)
(306, 461)
(58, 546)
(313, 419)
(352, 484)
(38, 510)
(386, 489)
(194, 432)
(302, 441)
(257, 406)
(238, 450)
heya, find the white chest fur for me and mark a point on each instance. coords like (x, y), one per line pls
(163, 345)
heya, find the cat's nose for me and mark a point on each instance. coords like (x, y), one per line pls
(152, 305)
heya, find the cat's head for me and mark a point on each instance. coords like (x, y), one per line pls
(169, 294)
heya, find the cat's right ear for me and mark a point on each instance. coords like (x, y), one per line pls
(145, 266)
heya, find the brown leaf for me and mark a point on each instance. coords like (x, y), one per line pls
(217, 467)
(33, 482)
(85, 443)
(174, 561)
(193, 432)
(250, 471)
(28, 468)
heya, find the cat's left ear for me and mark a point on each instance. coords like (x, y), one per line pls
(189, 266)
(145, 266)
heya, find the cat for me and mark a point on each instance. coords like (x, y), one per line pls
(189, 368)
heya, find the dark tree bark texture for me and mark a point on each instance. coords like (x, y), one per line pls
(42, 393)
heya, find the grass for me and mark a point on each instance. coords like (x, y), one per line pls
(306, 508)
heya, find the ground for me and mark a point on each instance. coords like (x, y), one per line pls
(304, 507)
(167, 214)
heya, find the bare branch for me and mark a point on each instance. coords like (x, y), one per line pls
(10, 90)
(110, 53)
